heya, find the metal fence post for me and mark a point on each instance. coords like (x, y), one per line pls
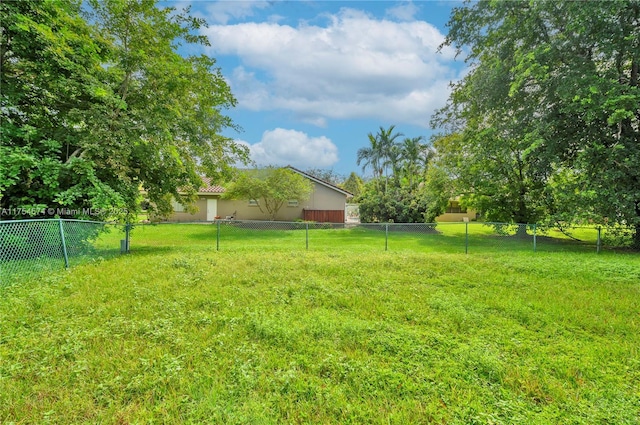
(127, 236)
(218, 236)
(307, 234)
(534, 237)
(64, 244)
(599, 241)
(466, 237)
(386, 237)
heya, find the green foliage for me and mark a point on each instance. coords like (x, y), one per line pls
(436, 191)
(400, 196)
(353, 184)
(328, 176)
(398, 204)
(50, 60)
(270, 187)
(493, 157)
(376, 206)
(553, 89)
(95, 109)
(415, 156)
(383, 152)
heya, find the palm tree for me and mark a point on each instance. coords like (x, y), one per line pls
(416, 156)
(394, 160)
(383, 152)
(387, 141)
(388, 150)
(371, 156)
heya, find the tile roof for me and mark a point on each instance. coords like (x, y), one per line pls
(209, 188)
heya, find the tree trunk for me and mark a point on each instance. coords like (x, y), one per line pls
(522, 231)
(636, 236)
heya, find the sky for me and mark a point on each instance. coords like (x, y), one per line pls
(314, 78)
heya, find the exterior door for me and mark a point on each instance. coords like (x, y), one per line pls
(212, 209)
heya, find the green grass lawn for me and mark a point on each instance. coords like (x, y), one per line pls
(264, 331)
(445, 238)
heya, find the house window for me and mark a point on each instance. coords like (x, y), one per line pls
(292, 203)
(253, 203)
(454, 207)
(177, 207)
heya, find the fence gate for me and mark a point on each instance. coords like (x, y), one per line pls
(324, 216)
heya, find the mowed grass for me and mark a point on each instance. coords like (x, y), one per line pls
(264, 331)
(445, 238)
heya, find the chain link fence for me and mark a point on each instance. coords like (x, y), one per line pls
(32, 246)
(29, 247)
(470, 237)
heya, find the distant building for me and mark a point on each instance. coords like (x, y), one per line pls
(327, 203)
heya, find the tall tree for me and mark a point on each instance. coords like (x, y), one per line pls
(173, 116)
(51, 78)
(389, 150)
(353, 184)
(371, 156)
(415, 156)
(95, 112)
(571, 107)
(402, 199)
(382, 153)
(490, 153)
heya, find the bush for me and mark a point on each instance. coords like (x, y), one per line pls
(397, 205)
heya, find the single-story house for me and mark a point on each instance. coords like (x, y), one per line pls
(454, 212)
(327, 203)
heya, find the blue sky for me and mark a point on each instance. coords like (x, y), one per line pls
(313, 78)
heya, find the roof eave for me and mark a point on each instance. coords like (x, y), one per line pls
(319, 181)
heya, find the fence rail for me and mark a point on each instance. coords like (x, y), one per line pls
(28, 246)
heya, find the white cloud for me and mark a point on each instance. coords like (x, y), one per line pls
(255, 94)
(314, 120)
(290, 147)
(355, 67)
(403, 12)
